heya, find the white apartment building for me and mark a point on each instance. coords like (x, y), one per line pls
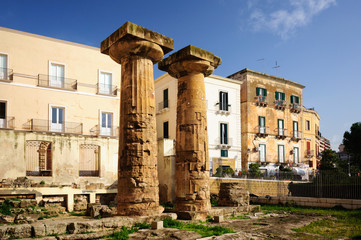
(223, 121)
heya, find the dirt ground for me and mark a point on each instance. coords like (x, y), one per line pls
(259, 226)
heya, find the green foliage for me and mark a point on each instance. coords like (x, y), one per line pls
(254, 171)
(352, 142)
(203, 230)
(329, 161)
(5, 207)
(42, 182)
(242, 216)
(224, 172)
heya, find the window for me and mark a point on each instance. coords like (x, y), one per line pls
(165, 130)
(3, 115)
(261, 92)
(89, 160)
(106, 127)
(224, 133)
(295, 154)
(280, 96)
(281, 130)
(105, 83)
(262, 124)
(224, 153)
(262, 152)
(38, 158)
(295, 99)
(165, 98)
(281, 153)
(3, 67)
(57, 74)
(223, 101)
(307, 125)
(57, 119)
(295, 129)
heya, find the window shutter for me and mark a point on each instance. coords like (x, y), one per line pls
(283, 96)
(220, 101)
(297, 100)
(265, 92)
(226, 101)
(257, 91)
(276, 95)
(225, 134)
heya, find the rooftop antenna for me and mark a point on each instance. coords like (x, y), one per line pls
(277, 67)
(263, 65)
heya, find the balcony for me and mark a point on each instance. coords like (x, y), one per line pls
(224, 143)
(262, 131)
(106, 89)
(6, 74)
(105, 132)
(7, 123)
(295, 107)
(42, 125)
(309, 153)
(223, 109)
(57, 82)
(261, 101)
(163, 106)
(296, 136)
(281, 133)
(280, 104)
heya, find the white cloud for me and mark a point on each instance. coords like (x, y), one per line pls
(284, 22)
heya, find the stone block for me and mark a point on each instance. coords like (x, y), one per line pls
(218, 219)
(157, 225)
(172, 216)
(38, 229)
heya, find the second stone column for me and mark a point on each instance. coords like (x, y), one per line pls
(190, 65)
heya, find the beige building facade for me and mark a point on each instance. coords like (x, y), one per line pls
(271, 119)
(59, 111)
(311, 136)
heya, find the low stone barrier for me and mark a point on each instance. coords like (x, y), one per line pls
(308, 201)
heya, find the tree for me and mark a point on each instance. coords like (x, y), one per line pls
(352, 142)
(329, 160)
(254, 171)
(224, 172)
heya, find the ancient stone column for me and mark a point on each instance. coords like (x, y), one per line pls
(137, 49)
(190, 65)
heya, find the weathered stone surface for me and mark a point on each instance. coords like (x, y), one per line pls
(100, 211)
(85, 226)
(233, 195)
(18, 231)
(38, 229)
(20, 219)
(55, 227)
(190, 65)
(28, 203)
(137, 49)
(80, 202)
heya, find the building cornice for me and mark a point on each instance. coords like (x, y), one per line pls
(271, 77)
(48, 38)
(210, 76)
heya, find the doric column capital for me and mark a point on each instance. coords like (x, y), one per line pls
(190, 60)
(134, 40)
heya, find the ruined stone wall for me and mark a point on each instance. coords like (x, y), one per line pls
(65, 157)
(257, 187)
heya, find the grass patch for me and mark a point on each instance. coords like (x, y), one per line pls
(344, 223)
(77, 213)
(203, 230)
(123, 233)
(242, 216)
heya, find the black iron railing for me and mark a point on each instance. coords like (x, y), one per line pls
(41, 125)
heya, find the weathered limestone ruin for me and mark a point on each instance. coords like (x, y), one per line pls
(137, 49)
(190, 65)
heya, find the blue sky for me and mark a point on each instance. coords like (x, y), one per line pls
(315, 42)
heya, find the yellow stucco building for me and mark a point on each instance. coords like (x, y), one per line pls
(271, 119)
(311, 135)
(59, 111)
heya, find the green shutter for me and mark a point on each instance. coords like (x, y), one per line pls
(297, 100)
(276, 95)
(257, 91)
(226, 133)
(265, 92)
(283, 96)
